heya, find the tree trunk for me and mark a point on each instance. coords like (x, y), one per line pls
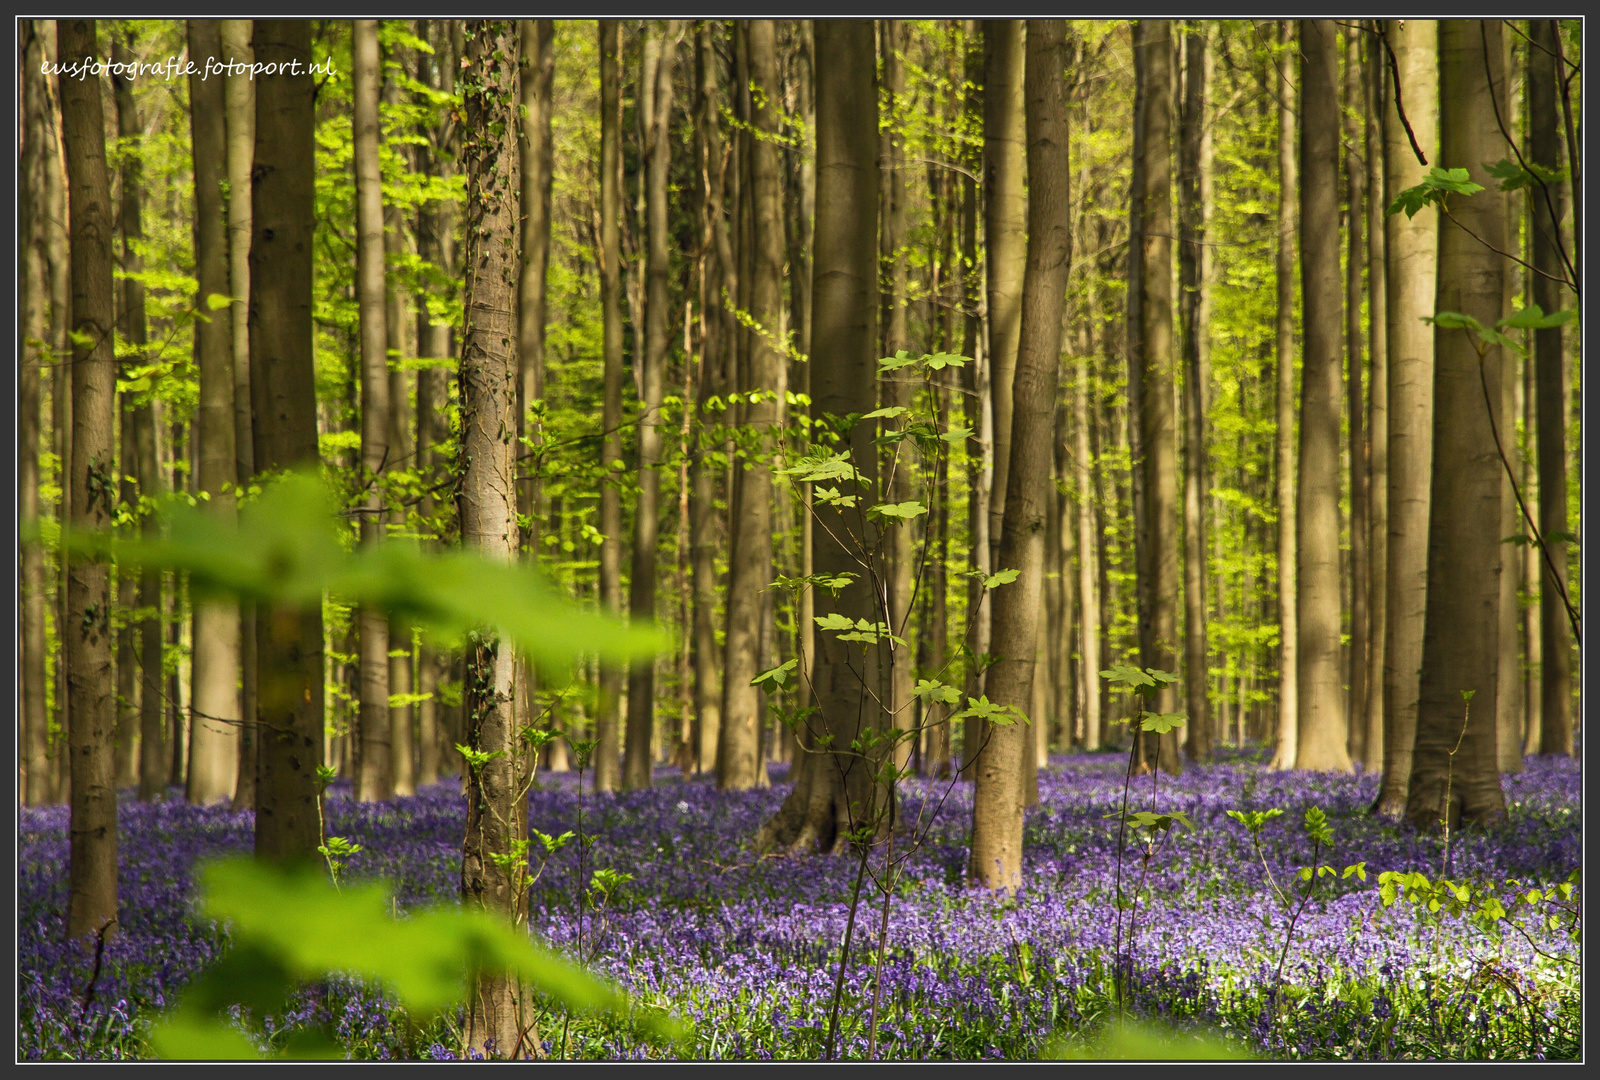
(1199, 735)
(1158, 429)
(638, 753)
(1355, 212)
(997, 799)
(34, 353)
(289, 646)
(1088, 576)
(713, 350)
(92, 860)
(1321, 708)
(975, 411)
(374, 776)
(1555, 644)
(607, 763)
(900, 457)
(1378, 395)
(240, 103)
(1453, 774)
(1288, 734)
(739, 761)
(1133, 318)
(214, 686)
(1412, 246)
(834, 790)
(1005, 210)
(1510, 708)
(57, 260)
(487, 497)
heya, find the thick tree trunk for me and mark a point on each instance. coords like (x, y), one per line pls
(214, 686)
(834, 790)
(92, 829)
(239, 96)
(739, 761)
(1453, 774)
(639, 755)
(1355, 217)
(289, 647)
(33, 354)
(1157, 424)
(607, 762)
(374, 775)
(996, 858)
(1283, 464)
(1199, 736)
(487, 498)
(1546, 211)
(1411, 244)
(1322, 712)
(1378, 396)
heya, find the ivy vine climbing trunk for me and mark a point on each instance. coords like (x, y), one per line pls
(487, 499)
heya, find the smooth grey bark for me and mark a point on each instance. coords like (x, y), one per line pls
(1283, 463)
(607, 763)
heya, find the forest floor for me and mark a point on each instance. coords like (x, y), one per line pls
(747, 948)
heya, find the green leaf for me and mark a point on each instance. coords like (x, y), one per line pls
(1161, 723)
(885, 412)
(999, 578)
(1533, 317)
(933, 690)
(834, 621)
(995, 713)
(901, 359)
(939, 361)
(217, 301)
(957, 435)
(904, 511)
(1127, 675)
(778, 675)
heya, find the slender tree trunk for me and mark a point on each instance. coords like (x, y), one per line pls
(1005, 209)
(374, 776)
(1144, 578)
(1355, 213)
(1555, 643)
(713, 350)
(1453, 774)
(1158, 428)
(1288, 734)
(1411, 244)
(996, 858)
(131, 325)
(833, 791)
(1322, 713)
(214, 686)
(289, 645)
(638, 754)
(607, 763)
(1532, 560)
(487, 497)
(240, 103)
(740, 764)
(1088, 556)
(1511, 709)
(1191, 260)
(59, 264)
(975, 411)
(1378, 391)
(33, 353)
(92, 829)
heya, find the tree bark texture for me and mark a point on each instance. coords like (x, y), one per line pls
(1453, 772)
(289, 647)
(1288, 733)
(607, 760)
(1355, 218)
(996, 858)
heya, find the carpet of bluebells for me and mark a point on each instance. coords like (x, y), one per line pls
(746, 948)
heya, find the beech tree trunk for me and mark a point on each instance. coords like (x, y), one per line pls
(33, 353)
(1546, 211)
(834, 790)
(374, 774)
(607, 763)
(1283, 465)
(1355, 213)
(1412, 245)
(1322, 712)
(239, 98)
(289, 647)
(1199, 736)
(487, 497)
(997, 815)
(92, 827)
(639, 754)
(131, 327)
(1453, 772)
(1378, 395)
(740, 762)
(214, 685)
(1157, 424)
